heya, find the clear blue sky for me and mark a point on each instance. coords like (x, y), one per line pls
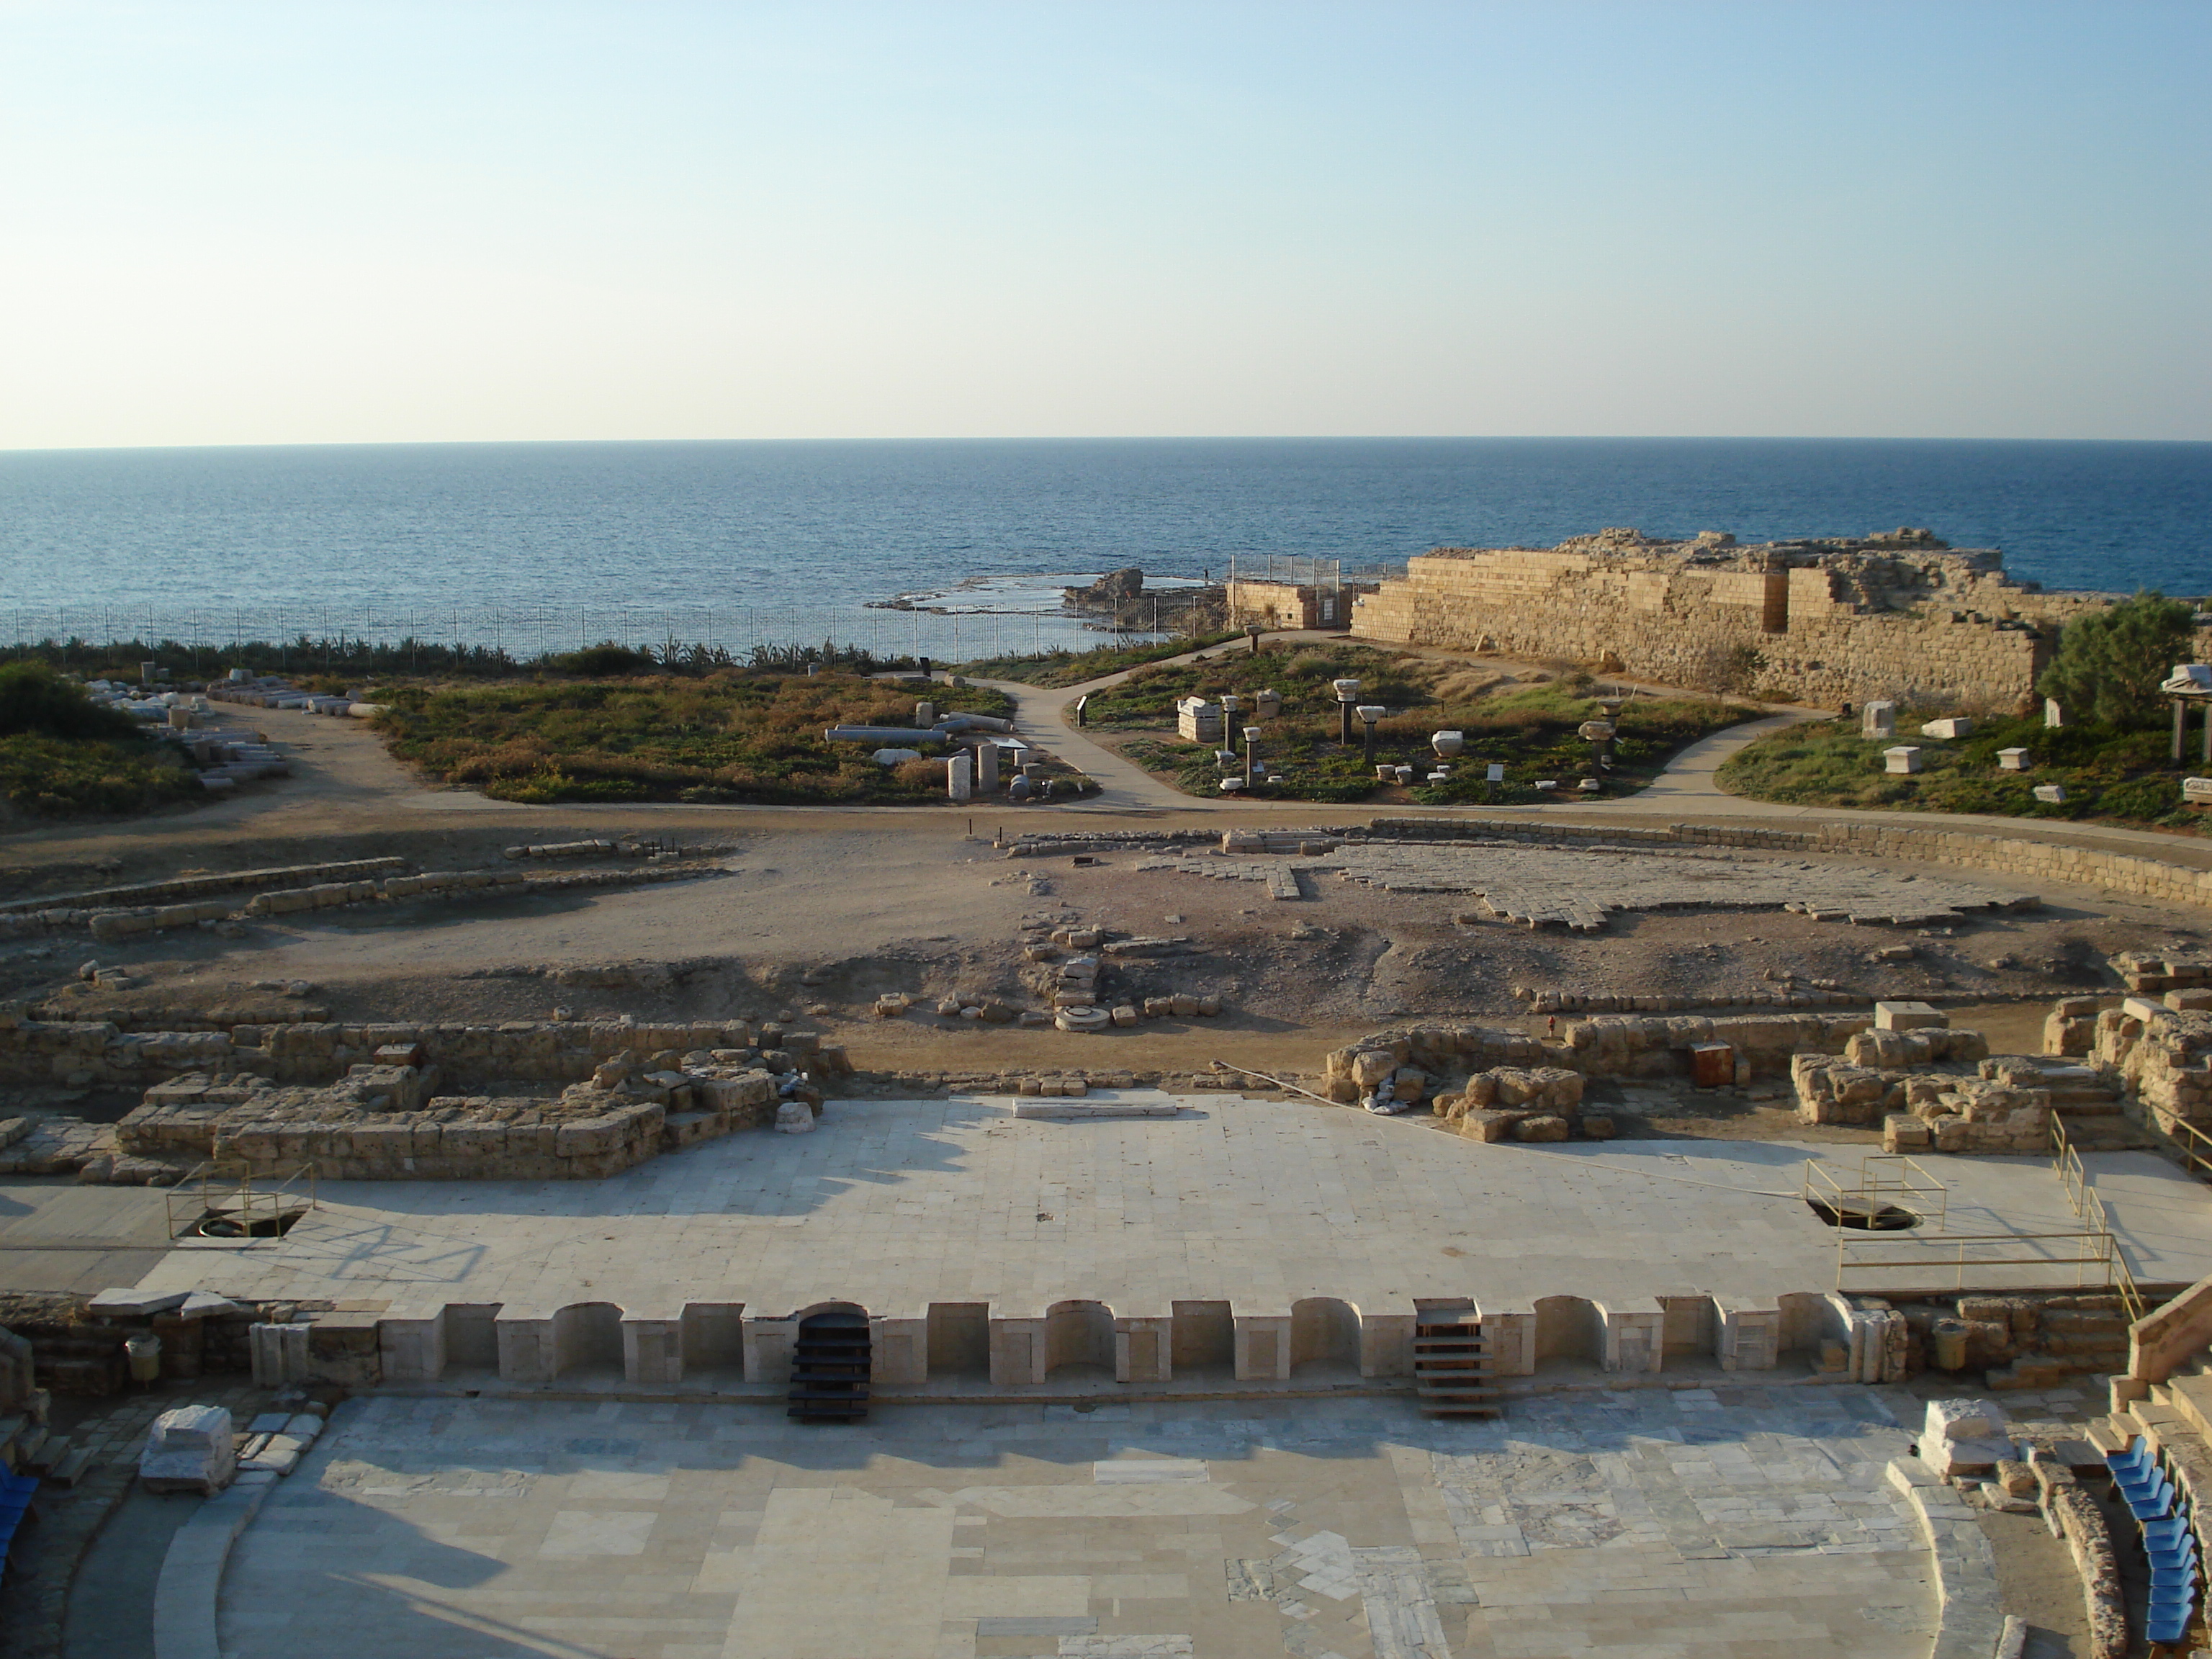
(314, 221)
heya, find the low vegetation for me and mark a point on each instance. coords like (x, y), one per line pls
(1064, 668)
(1529, 729)
(63, 755)
(2117, 773)
(736, 735)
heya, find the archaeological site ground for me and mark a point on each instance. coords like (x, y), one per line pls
(1359, 1217)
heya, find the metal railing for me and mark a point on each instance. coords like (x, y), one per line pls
(1931, 1251)
(2194, 1146)
(2066, 1164)
(1885, 1180)
(1951, 1254)
(226, 1193)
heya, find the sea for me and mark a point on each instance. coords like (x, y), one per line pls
(957, 549)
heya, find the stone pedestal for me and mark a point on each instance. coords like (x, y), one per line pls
(898, 1351)
(1901, 761)
(1144, 1350)
(1750, 1339)
(769, 1345)
(528, 1347)
(1386, 1343)
(1263, 1347)
(412, 1350)
(1878, 720)
(1017, 1357)
(1635, 1338)
(652, 1348)
(1509, 1341)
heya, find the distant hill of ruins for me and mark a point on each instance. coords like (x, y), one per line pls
(1825, 621)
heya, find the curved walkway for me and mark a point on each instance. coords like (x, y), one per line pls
(1685, 790)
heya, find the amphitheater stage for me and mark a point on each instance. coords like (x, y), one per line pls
(966, 1231)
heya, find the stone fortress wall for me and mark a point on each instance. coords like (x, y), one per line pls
(1899, 615)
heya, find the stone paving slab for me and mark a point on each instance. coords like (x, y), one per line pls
(1722, 1522)
(1577, 887)
(898, 1204)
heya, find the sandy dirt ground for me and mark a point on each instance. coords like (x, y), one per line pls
(864, 901)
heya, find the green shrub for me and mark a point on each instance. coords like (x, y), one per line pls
(738, 735)
(37, 700)
(1064, 668)
(2122, 774)
(59, 777)
(2109, 663)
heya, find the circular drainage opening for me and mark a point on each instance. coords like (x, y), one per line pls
(222, 1223)
(1863, 1214)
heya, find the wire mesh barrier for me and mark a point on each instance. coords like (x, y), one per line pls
(306, 636)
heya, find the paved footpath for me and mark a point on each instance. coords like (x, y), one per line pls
(1727, 1523)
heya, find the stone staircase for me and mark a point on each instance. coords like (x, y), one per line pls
(1452, 1365)
(2176, 1420)
(2087, 1101)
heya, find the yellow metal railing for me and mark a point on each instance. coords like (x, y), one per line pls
(2066, 1163)
(1935, 1258)
(225, 1193)
(2194, 1146)
(1886, 1180)
(1930, 1250)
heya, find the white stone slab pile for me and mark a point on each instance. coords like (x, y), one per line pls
(1964, 1438)
(276, 1441)
(189, 1450)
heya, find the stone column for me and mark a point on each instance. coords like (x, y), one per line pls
(1017, 1351)
(1263, 1347)
(986, 768)
(957, 787)
(1144, 1348)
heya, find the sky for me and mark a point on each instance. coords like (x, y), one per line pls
(321, 221)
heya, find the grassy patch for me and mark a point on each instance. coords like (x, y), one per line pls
(2122, 776)
(1301, 676)
(1062, 668)
(1530, 730)
(738, 736)
(65, 777)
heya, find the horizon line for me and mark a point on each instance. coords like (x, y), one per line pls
(1093, 438)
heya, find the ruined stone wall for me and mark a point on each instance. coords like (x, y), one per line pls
(2163, 1055)
(523, 1051)
(1821, 623)
(1285, 605)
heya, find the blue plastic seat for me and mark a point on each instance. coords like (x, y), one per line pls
(2150, 1475)
(2138, 1455)
(2166, 1629)
(2156, 1504)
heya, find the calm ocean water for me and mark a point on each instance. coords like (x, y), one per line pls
(800, 536)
